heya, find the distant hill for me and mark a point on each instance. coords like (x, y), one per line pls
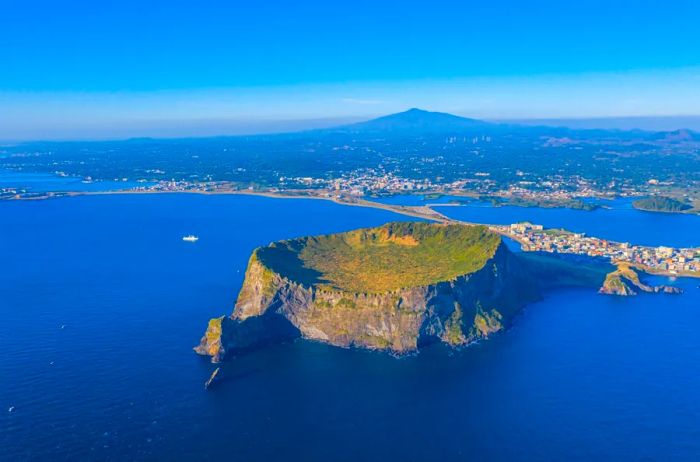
(417, 121)
(661, 204)
(676, 136)
(633, 123)
(421, 122)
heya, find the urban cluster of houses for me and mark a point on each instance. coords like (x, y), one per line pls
(668, 260)
(368, 181)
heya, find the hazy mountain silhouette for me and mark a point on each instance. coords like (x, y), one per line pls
(417, 121)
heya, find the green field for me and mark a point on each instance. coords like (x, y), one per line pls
(390, 257)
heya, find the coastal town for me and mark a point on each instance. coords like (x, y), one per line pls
(521, 187)
(661, 260)
(554, 190)
(358, 190)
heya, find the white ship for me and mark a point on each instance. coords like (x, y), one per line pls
(190, 238)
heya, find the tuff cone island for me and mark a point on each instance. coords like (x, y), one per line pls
(394, 288)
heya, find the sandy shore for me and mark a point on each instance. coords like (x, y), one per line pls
(424, 212)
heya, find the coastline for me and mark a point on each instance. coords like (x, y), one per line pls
(693, 211)
(422, 211)
(425, 212)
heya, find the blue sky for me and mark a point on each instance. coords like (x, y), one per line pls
(93, 69)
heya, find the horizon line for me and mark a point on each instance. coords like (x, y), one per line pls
(328, 123)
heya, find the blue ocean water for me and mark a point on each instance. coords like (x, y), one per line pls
(617, 221)
(101, 303)
(45, 182)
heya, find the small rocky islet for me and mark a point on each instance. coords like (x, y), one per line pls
(625, 281)
(394, 288)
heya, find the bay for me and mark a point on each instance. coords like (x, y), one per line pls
(102, 302)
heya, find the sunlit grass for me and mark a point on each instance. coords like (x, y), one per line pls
(390, 257)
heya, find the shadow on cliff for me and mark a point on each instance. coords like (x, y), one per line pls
(284, 258)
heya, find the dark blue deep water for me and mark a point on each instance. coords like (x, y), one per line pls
(579, 376)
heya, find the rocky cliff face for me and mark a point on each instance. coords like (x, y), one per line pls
(467, 308)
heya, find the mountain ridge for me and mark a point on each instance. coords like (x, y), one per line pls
(416, 120)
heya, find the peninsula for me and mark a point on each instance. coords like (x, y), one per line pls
(394, 288)
(403, 285)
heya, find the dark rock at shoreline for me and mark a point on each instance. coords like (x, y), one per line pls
(212, 378)
(625, 281)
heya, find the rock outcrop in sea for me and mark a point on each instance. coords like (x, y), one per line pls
(213, 378)
(625, 281)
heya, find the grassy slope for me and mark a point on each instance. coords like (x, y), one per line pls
(389, 257)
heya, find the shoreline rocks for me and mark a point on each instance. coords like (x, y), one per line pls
(624, 281)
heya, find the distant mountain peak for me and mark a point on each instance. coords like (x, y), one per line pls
(417, 120)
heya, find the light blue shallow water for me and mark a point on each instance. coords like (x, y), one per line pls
(45, 182)
(579, 377)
